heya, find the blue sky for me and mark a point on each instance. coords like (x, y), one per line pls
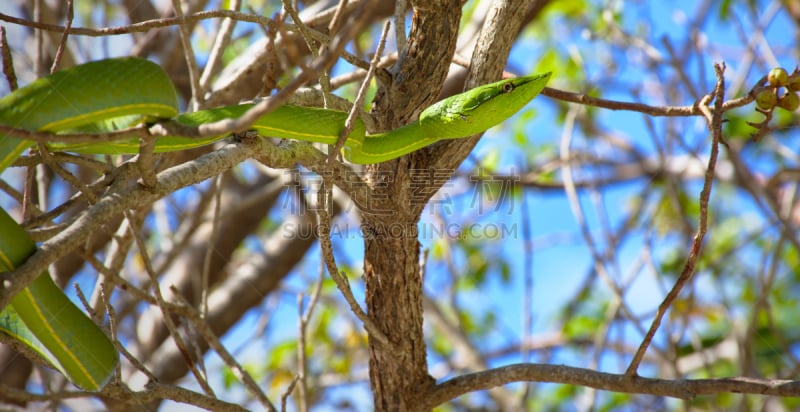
(560, 259)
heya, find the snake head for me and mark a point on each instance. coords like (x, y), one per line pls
(476, 110)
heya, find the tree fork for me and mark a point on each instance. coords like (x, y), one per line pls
(399, 375)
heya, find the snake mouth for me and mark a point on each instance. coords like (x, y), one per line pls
(516, 85)
(536, 79)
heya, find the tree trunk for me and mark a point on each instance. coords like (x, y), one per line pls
(399, 374)
(394, 289)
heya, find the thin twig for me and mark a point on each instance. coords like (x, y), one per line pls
(148, 25)
(121, 197)
(305, 32)
(400, 9)
(85, 303)
(112, 329)
(143, 26)
(172, 128)
(349, 124)
(340, 278)
(8, 61)
(115, 259)
(304, 318)
(173, 330)
(13, 193)
(63, 41)
(315, 294)
(47, 218)
(198, 94)
(221, 42)
(338, 13)
(302, 362)
(38, 60)
(715, 126)
(73, 138)
(528, 293)
(671, 111)
(213, 341)
(288, 392)
(48, 160)
(215, 221)
(124, 284)
(101, 168)
(146, 162)
(29, 208)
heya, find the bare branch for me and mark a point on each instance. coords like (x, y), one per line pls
(670, 111)
(144, 26)
(675, 388)
(63, 42)
(715, 126)
(214, 342)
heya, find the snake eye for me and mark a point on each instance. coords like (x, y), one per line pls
(508, 87)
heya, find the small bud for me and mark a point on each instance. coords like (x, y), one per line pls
(778, 77)
(766, 100)
(794, 84)
(789, 101)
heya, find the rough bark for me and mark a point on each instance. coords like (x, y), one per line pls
(399, 374)
(501, 27)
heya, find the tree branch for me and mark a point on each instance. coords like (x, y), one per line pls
(674, 388)
(715, 126)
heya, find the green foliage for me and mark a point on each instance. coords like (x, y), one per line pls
(674, 212)
(614, 401)
(235, 49)
(584, 323)
(568, 68)
(440, 344)
(736, 127)
(726, 7)
(281, 355)
(566, 9)
(555, 399)
(746, 280)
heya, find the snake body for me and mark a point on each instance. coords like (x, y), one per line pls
(116, 93)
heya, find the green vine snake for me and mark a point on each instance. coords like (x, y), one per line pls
(115, 93)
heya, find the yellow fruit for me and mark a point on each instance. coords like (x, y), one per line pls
(789, 101)
(766, 100)
(778, 77)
